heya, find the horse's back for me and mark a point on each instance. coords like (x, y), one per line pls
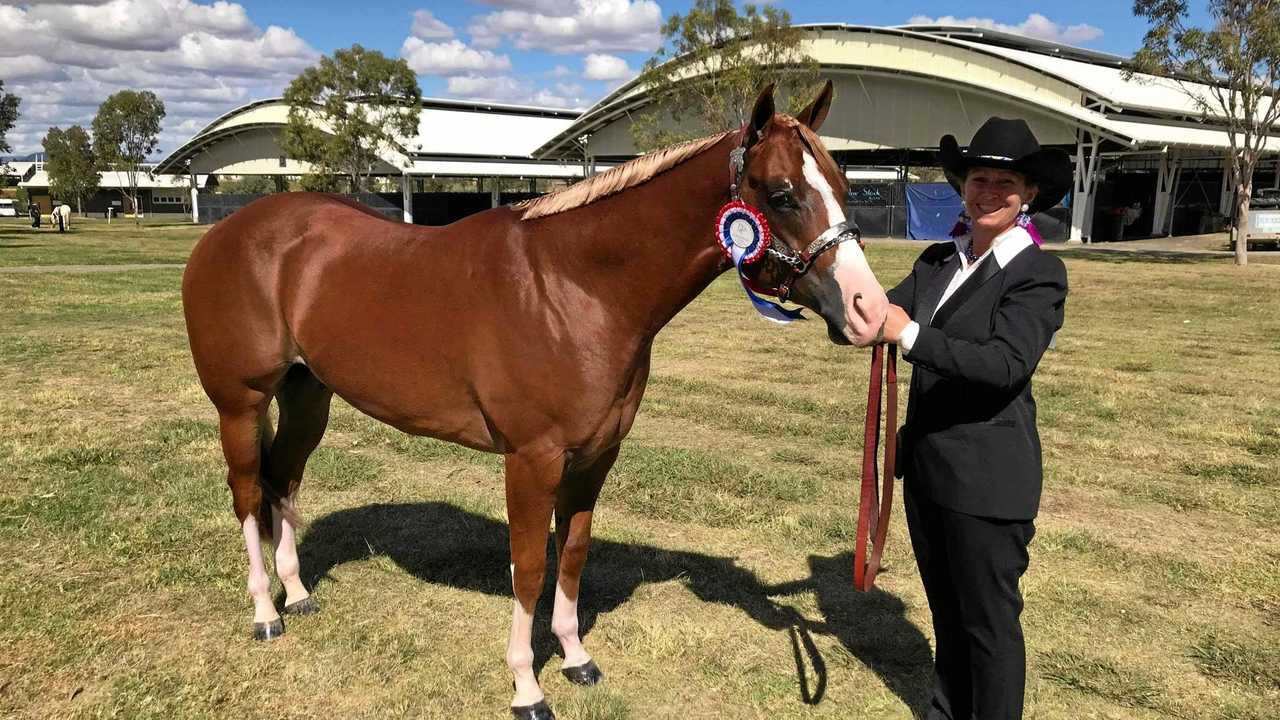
(323, 280)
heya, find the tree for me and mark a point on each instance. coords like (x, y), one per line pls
(125, 132)
(349, 111)
(8, 116)
(247, 184)
(71, 164)
(1229, 71)
(712, 64)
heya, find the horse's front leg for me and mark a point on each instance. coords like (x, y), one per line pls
(532, 480)
(574, 507)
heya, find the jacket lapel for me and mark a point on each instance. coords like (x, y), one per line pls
(987, 270)
(937, 285)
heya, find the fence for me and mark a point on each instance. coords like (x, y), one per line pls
(429, 208)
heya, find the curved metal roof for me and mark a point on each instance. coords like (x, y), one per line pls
(469, 130)
(1077, 87)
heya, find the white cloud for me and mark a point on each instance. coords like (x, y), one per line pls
(429, 27)
(277, 50)
(143, 24)
(506, 89)
(572, 27)
(32, 68)
(450, 58)
(1036, 26)
(597, 66)
(560, 71)
(201, 59)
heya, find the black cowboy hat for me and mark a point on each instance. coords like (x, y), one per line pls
(1009, 144)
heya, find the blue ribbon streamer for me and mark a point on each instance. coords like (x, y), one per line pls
(770, 310)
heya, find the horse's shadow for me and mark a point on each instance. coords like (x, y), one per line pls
(441, 543)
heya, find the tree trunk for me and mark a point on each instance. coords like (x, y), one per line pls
(1242, 222)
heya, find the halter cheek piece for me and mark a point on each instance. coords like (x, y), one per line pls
(796, 264)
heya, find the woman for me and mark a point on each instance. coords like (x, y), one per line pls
(974, 317)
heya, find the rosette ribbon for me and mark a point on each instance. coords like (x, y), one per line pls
(743, 234)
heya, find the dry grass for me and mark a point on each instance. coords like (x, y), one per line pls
(720, 582)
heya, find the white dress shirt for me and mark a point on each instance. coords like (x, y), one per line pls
(1004, 248)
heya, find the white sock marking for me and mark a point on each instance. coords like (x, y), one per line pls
(564, 623)
(288, 569)
(259, 584)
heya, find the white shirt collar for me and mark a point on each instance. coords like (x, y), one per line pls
(1005, 247)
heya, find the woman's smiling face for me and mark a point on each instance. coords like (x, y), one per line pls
(993, 197)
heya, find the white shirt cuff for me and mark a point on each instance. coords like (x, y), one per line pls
(908, 338)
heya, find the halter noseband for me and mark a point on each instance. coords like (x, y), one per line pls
(796, 263)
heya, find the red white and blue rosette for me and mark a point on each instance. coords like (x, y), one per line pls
(743, 234)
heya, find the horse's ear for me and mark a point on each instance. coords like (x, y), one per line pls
(761, 114)
(816, 113)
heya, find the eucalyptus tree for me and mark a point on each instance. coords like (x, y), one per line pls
(126, 131)
(71, 164)
(1229, 70)
(348, 112)
(712, 63)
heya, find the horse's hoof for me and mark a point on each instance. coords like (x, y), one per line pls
(305, 606)
(586, 674)
(263, 631)
(537, 711)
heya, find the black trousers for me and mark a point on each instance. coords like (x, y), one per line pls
(970, 566)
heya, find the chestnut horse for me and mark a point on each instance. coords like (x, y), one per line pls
(522, 330)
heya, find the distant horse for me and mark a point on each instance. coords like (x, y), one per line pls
(61, 217)
(522, 330)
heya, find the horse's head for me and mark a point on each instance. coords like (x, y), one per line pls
(792, 178)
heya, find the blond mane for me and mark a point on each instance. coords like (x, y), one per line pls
(615, 180)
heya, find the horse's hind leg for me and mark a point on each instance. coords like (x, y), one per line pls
(304, 414)
(574, 506)
(241, 427)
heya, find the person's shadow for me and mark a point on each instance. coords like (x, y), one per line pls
(440, 543)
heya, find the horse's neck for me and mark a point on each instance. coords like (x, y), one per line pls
(663, 232)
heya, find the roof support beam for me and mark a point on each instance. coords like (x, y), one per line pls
(406, 197)
(1166, 185)
(1084, 185)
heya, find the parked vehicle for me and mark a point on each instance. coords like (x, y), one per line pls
(1265, 198)
(8, 207)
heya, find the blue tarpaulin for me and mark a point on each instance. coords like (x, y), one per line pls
(932, 210)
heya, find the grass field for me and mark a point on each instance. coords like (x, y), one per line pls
(94, 241)
(720, 583)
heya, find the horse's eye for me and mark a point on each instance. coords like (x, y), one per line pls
(781, 200)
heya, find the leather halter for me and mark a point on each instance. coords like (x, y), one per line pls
(874, 504)
(796, 263)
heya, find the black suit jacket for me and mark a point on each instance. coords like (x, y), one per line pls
(970, 441)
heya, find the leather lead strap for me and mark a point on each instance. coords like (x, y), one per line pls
(874, 504)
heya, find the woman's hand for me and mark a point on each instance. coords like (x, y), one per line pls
(895, 323)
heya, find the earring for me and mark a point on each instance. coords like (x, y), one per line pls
(1025, 207)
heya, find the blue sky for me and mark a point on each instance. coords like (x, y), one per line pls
(204, 58)
(327, 25)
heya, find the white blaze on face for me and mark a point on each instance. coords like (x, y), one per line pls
(813, 175)
(852, 273)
